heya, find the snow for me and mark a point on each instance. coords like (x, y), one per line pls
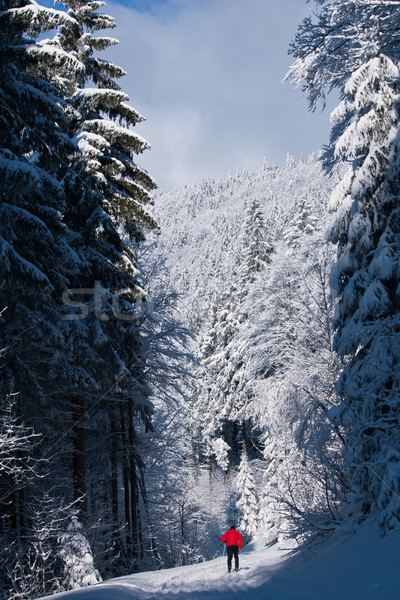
(114, 97)
(58, 56)
(113, 132)
(359, 566)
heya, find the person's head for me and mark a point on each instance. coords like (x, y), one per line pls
(233, 527)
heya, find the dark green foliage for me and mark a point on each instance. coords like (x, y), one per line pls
(69, 295)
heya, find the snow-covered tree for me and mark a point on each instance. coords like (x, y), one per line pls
(248, 502)
(36, 570)
(263, 328)
(214, 406)
(221, 450)
(304, 223)
(107, 193)
(364, 67)
(256, 241)
(103, 125)
(77, 557)
(34, 243)
(292, 370)
(17, 467)
(72, 203)
(222, 405)
(342, 36)
(34, 240)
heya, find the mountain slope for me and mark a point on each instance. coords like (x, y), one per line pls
(202, 226)
(362, 565)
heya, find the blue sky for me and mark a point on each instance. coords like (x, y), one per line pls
(143, 5)
(207, 75)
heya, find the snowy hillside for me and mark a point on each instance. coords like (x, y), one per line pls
(202, 226)
(363, 566)
(249, 259)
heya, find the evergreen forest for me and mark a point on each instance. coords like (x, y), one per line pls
(175, 361)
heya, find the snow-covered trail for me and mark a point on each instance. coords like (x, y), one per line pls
(206, 580)
(361, 567)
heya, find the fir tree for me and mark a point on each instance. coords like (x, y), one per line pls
(292, 369)
(225, 395)
(107, 194)
(73, 205)
(76, 554)
(221, 450)
(248, 502)
(34, 241)
(257, 243)
(365, 69)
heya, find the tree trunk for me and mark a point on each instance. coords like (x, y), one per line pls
(244, 438)
(194, 459)
(133, 479)
(114, 472)
(79, 463)
(155, 557)
(125, 475)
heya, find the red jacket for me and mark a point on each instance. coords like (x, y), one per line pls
(232, 538)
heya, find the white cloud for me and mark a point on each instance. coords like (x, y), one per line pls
(207, 75)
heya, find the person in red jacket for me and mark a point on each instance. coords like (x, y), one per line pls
(234, 543)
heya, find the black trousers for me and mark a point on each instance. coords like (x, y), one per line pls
(233, 551)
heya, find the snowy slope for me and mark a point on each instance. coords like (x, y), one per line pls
(202, 225)
(362, 566)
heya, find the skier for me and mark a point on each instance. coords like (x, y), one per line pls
(234, 542)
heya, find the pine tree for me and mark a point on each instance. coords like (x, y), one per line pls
(225, 397)
(216, 408)
(303, 223)
(76, 554)
(108, 193)
(105, 213)
(293, 369)
(256, 242)
(221, 450)
(73, 205)
(248, 502)
(34, 241)
(104, 123)
(366, 282)
(365, 68)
